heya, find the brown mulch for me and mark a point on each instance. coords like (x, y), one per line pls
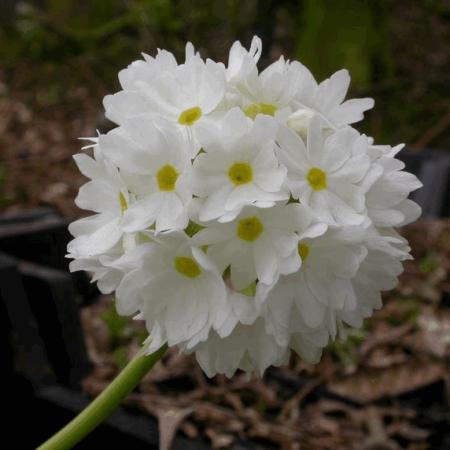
(39, 132)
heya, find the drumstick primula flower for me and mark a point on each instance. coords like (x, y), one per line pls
(237, 211)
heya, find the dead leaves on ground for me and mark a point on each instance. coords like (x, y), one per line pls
(370, 385)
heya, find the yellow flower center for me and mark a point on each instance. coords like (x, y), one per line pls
(317, 179)
(187, 267)
(240, 173)
(303, 251)
(167, 177)
(259, 108)
(190, 116)
(123, 203)
(250, 228)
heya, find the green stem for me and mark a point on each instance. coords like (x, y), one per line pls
(104, 404)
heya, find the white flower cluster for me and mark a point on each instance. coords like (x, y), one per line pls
(237, 212)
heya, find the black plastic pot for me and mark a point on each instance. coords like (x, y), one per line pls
(432, 167)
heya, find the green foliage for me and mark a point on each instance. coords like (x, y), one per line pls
(120, 356)
(428, 263)
(346, 34)
(122, 332)
(118, 326)
(407, 311)
(62, 29)
(345, 350)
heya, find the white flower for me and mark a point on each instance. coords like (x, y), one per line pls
(378, 272)
(271, 92)
(387, 197)
(238, 167)
(309, 344)
(154, 159)
(326, 100)
(248, 347)
(260, 244)
(184, 94)
(178, 291)
(299, 301)
(245, 307)
(109, 268)
(106, 277)
(107, 195)
(251, 349)
(326, 173)
(141, 74)
(237, 213)
(242, 62)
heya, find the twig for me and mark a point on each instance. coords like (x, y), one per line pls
(377, 439)
(295, 401)
(432, 133)
(387, 337)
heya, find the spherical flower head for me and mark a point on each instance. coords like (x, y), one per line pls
(236, 212)
(238, 167)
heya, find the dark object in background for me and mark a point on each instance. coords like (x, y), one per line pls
(52, 298)
(41, 236)
(8, 7)
(19, 329)
(432, 167)
(24, 363)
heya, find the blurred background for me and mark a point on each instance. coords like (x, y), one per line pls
(387, 386)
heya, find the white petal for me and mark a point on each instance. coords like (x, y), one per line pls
(310, 309)
(98, 242)
(98, 196)
(143, 213)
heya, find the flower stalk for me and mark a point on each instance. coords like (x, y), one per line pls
(104, 404)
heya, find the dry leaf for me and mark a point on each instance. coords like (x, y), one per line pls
(169, 421)
(434, 334)
(219, 440)
(371, 384)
